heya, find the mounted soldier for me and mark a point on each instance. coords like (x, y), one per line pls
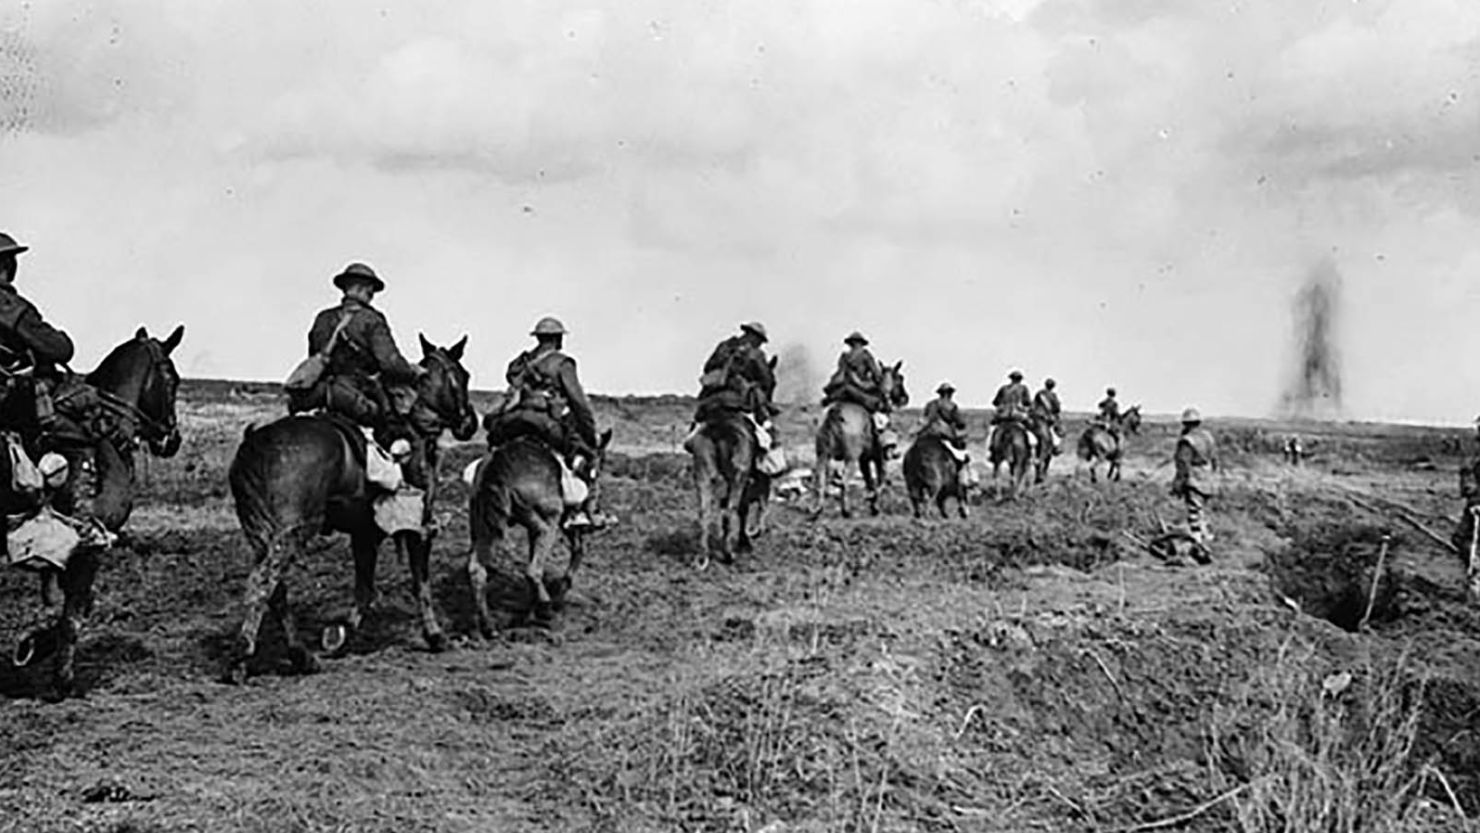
(546, 400)
(1109, 412)
(1013, 404)
(1047, 414)
(738, 378)
(859, 379)
(32, 356)
(942, 418)
(362, 375)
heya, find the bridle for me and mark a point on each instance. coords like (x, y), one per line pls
(425, 417)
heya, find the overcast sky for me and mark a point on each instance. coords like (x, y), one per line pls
(1123, 192)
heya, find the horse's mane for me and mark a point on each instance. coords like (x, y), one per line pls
(111, 365)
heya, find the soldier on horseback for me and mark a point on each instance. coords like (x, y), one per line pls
(546, 400)
(859, 378)
(1047, 413)
(365, 373)
(1109, 412)
(739, 378)
(1466, 538)
(32, 353)
(942, 418)
(1012, 403)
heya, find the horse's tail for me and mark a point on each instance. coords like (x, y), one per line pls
(1087, 444)
(828, 431)
(251, 489)
(489, 507)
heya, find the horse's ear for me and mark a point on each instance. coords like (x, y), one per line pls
(426, 346)
(605, 439)
(898, 365)
(142, 333)
(773, 362)
(173, 341)
(456, 350)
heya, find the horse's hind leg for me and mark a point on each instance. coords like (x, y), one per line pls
(541, 547)
(77, 584)
(482, 552)
(303, 660)
(274, 556)
(366, 551)
(705, 486)
(873, 477)
(418, 551)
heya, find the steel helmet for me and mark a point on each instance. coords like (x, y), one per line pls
(855, 337)
(1049, 382)
(9, 246)
(755, 327)
(1191, 415)
(1110, 391)
(359, 273)
(549, 326)
(1016, 375)
(945, 387)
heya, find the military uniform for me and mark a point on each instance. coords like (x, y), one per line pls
(547, 401)
(859, 377)
(738, 377)
(1194, 458)
(1109, 412)
(942, 418)
(25, 336)
(364, 360)
(1046, 415)
(1012, 403)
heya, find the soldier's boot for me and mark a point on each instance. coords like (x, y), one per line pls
(587, 515)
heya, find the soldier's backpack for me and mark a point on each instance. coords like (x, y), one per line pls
(310, 370)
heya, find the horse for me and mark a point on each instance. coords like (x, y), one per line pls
(136, 385)
(303, 475)
(1098, 443)
(1011, 445)
(725, 455)
(847, 435)
(518, 483)
(932, 475)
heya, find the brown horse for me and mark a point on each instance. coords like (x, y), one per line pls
(137, 385)
(847, 435)
(518, 483)
(303, 475)
(1010, 445)
(725, 455)
(1099, 443)
(932, 475)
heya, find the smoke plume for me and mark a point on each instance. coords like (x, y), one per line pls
(798, 380)
(1314, 390)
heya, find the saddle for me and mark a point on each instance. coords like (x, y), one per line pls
(381, 466)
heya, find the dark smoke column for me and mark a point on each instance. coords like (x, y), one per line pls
(1314, 392)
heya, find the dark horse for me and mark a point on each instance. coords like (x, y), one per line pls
(1099, 443)
(303, 475)
(518, 483)
(847, 434)
(725, 455)
(932, 475)
(136, 386)
(1010, 445)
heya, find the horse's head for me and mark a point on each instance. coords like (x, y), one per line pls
(1131, 419)
(442, 394)
(893, 385)
(141, 377)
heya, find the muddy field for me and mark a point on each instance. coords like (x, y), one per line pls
(1030, 668)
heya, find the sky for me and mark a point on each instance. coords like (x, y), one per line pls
(1110, 192)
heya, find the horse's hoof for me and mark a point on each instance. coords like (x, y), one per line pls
(334, 638)
(235, 672)
(702, 563)
(436, 642)
(303, 660)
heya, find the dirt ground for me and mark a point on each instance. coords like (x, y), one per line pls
(1029, 668)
